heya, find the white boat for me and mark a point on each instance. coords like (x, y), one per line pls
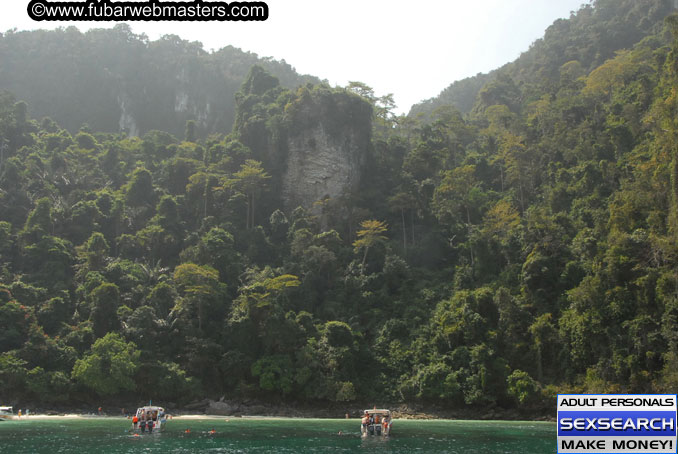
(6, 413)
(376, 422)
(149, 418)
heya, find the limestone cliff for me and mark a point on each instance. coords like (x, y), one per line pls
(313, 141)
(327, 143)
(115, 80)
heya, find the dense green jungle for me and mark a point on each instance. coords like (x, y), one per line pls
(514, 238)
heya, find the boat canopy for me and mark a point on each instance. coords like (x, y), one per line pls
(375, 411)
(151, 408)
(5, 408)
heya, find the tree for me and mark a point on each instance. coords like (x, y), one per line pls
(400, 202)
(49, 261)
(39, 222)
(369, 236)
(200, 288)
(519, 162)
(250, 179)
(96, 252)
(109, 367)
(105, 301)
(275, 373)
(363, 90)
(12, 374)
(54, 314)
(260, 290)
(140, 191)
(217, 249)
(190, 135)
(162, 298)
(522, 387)
(457, 195)
(14, 318)
(544, 336)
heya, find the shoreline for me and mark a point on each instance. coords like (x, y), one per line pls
(208, 409)
(39, 417)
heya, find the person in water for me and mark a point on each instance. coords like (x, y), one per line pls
(365, 422)
(149, 421)
(135, 421)
(385, 425)
(142, 422)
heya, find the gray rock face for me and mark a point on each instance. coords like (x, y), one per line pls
(326, 150)
(320, 166)
(221, 408)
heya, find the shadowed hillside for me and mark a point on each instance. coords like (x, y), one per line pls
(114, 80)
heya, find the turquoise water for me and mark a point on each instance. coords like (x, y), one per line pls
(250, 436)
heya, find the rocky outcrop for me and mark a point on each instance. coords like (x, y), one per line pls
(327, 144)
(127, 122)
(314, 141)
(222, 408)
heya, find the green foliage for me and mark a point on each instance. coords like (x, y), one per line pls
(12, 374)
(275, 374)
(522, 387)
(105, 302)
(168, 381)
(109, 367)
(15, 325)
(369, 236)
(39, 222)
(490, 256)
(96, 251)
(54, 315)
(140, 189)
(200, 290)
(337, 334)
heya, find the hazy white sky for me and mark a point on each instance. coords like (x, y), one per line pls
(411, 49)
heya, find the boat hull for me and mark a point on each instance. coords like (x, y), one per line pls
(158, 426)
(375, 430)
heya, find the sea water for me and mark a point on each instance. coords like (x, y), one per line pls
(258, 436)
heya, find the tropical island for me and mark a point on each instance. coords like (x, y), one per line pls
(217, 232)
